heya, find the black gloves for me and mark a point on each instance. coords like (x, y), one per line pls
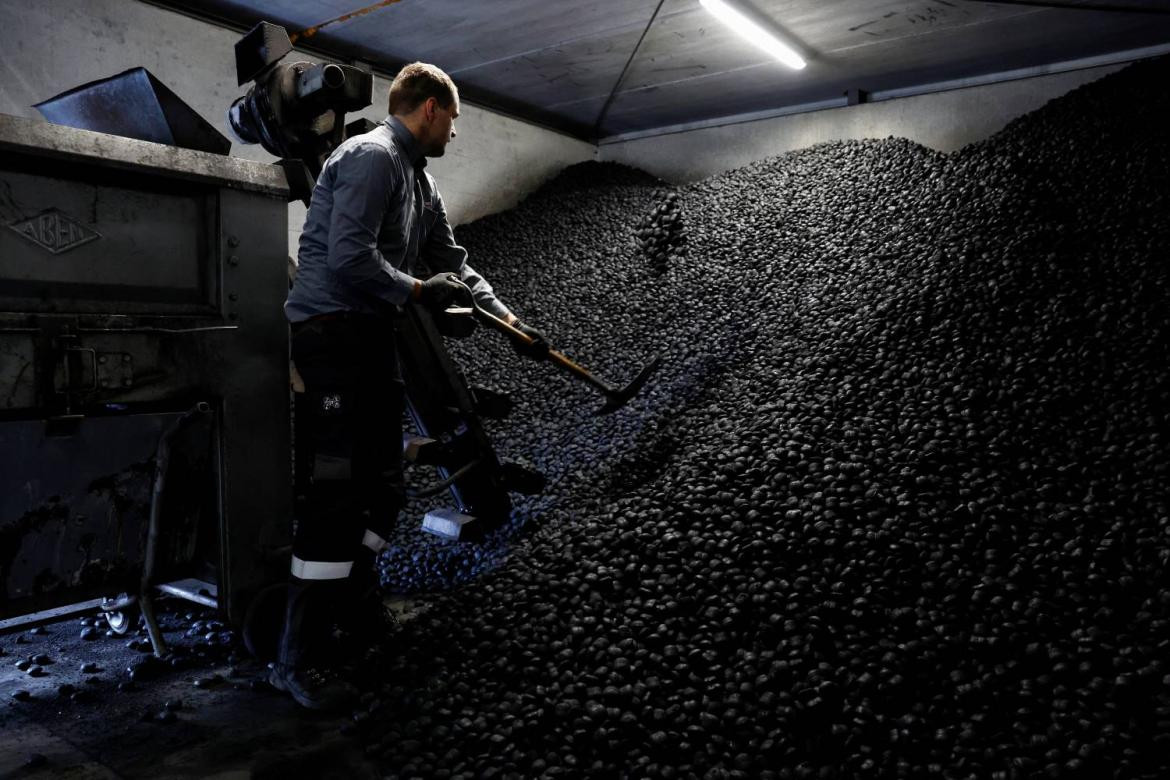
(441, 290)
(538, 349)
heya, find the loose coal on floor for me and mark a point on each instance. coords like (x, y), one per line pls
(895, 506)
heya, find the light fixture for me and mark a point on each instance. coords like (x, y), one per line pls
(753, 32)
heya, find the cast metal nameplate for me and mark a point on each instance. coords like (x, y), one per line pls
(55, 231)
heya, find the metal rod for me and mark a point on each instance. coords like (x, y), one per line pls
(161, 461)
(41, 617)
(184, 590)
(621, 77)
(157, 642)
(203, 329)
(439, 487)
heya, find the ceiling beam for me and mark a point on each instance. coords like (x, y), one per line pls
(605, 106)
(1074, 6)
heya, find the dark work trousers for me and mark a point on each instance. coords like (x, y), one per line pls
(354, 405)
(352, 429)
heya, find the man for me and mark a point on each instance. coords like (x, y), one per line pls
(375, 214)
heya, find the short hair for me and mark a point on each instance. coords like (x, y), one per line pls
(418, 81)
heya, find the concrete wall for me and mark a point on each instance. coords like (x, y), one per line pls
(54, 45)
(941, 120)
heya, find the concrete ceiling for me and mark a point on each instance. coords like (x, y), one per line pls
(560, 63)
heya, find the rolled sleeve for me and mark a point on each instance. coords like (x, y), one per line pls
(364, 179)
(441, 253)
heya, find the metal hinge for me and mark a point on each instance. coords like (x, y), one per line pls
(84, 370)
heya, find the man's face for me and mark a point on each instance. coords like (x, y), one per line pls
(441, 128)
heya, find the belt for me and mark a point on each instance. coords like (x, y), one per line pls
(359, 318)
(340, 315)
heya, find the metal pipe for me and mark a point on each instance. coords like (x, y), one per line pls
(203, 329)
(45, 616)
(161, 460)
(439, 487)
(317, 78)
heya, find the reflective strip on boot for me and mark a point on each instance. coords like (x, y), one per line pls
(374, 542)
(321, 570)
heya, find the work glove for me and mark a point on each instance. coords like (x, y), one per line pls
(441, 290)
(538, 349)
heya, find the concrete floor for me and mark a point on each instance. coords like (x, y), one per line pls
(230, 725)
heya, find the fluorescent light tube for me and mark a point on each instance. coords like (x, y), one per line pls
(753, 32)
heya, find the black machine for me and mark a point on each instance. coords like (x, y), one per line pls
(295, 110)
(142, 356)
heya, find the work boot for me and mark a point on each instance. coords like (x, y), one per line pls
(310, 688)
(302, 645)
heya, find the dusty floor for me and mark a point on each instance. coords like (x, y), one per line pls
(209, 715)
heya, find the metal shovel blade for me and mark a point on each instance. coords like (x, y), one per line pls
(616, 399)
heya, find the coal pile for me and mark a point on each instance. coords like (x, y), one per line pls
(662, 235)
(895, 506)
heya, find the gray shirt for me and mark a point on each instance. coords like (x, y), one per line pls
(375, 213)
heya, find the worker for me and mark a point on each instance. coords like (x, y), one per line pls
(375, 219)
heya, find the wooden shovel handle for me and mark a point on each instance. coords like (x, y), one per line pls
(553, 355)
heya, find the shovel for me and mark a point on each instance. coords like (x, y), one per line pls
(615, 397)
